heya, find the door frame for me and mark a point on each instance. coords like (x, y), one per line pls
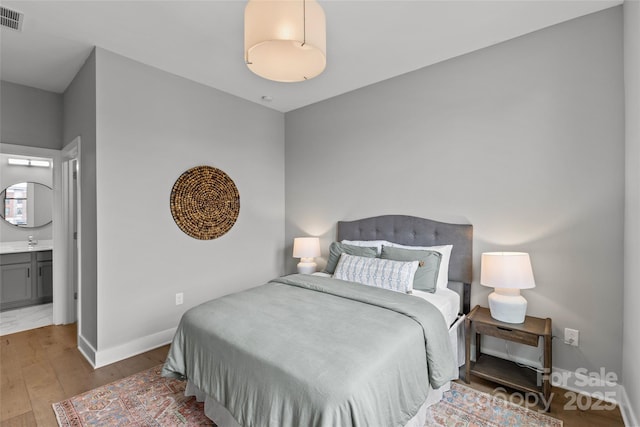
(69, 154)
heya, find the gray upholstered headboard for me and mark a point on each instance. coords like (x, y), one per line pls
(414, 231)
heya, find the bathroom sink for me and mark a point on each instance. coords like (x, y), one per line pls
(16, 247)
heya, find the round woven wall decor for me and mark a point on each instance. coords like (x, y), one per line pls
(205, 202)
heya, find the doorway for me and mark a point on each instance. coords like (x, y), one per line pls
(26, 242)
(67, 226)
(49, 274)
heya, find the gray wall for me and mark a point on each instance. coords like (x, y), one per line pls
(80, 120)
(631, 344)
(152, 126)
(524, 140)
(30, 116)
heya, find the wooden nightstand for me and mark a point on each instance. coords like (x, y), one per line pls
(503, 371)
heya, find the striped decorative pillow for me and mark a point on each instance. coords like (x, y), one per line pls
(382, 273)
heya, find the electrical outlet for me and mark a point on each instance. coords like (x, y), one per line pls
(179, 298)
(571, 336)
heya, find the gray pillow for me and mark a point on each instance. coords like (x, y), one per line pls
(336, 249)
(426, 277)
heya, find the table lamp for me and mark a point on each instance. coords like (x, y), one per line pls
(306, 248)
(507, 272)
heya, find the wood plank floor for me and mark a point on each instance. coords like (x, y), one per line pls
(43, 366)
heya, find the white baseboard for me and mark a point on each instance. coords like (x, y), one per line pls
(132, 348)
(594, 387)
(87, 350)
(598, 390)
(628, 416)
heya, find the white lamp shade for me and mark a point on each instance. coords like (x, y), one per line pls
(306, 247)
(506, 270)
(285, 40)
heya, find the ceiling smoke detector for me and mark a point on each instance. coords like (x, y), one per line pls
(10, 19)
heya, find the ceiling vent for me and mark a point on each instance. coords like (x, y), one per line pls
(10, 19)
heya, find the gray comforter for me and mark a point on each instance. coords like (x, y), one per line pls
(313, 351)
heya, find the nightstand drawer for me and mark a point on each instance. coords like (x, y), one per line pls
(507, 333)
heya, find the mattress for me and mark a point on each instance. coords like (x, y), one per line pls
(445, 300)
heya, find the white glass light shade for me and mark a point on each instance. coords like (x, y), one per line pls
(29, 162)
(285, 40)
(40, 163)
(18, 162)
(506, 270)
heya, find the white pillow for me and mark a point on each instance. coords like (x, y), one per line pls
(445, 250)
(382, 273)
(368, 243)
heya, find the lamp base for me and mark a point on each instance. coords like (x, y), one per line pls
(507, 305)
(306, 267)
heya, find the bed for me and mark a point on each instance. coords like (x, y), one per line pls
(316, 351)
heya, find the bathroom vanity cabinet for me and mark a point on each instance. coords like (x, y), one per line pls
(26, 279)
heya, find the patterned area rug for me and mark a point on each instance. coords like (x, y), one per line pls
(147, 399)
(143, 399)
(465, 407)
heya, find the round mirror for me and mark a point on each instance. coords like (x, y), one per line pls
(27, 204)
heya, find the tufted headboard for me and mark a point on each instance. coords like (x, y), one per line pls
(414, 231)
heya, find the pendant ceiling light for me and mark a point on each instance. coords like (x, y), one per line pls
(285, 40)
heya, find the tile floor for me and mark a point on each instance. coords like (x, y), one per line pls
(22, 319)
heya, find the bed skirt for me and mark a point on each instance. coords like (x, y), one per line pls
(223, 418)
(456, 335)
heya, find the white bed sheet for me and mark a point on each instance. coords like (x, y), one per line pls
(446, 300)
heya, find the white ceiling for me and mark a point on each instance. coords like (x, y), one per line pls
(367, 41)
